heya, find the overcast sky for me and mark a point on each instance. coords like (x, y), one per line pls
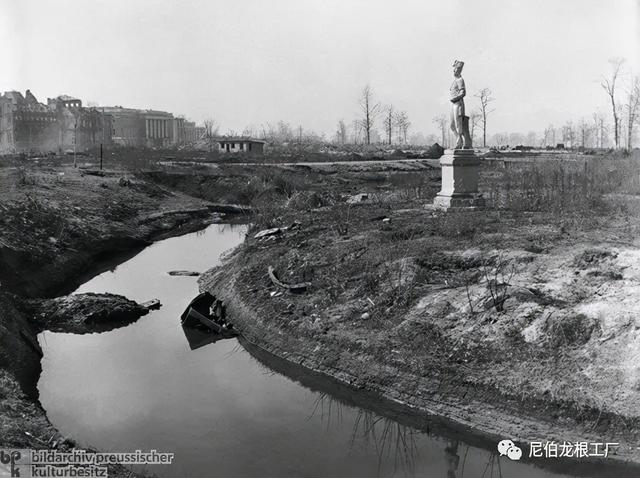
(247, 62)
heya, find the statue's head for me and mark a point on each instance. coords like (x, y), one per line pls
(457, 67)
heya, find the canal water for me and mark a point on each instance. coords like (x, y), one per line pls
(221, 411)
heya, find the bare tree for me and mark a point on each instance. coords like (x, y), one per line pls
(389, 122)
(441, 121)
(568, 134)
(341, 133)
(370, 110)
(500, 139)
(285, 133)
(402, 123)
(248, 131)
(550, 135)
(357, 131)
(609, 85)
(485, 99)
(270, 133)
(584, 130)
(210, 132)
(632, 107)
(599, 129)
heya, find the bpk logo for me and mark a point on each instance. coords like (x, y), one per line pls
(507, 447)
(9, 463)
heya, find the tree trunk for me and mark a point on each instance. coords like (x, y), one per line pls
(484, 132)
(615, 122)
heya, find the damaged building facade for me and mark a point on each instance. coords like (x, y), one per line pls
(26, 124)
(63, 125)
(80, 128)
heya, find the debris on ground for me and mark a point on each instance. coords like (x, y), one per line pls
(184, 273)
(357, 198)
(267, 232)
(153, 304)
(279, 283)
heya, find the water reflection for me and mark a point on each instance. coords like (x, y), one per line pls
(452, 458)
(395, 445)
(198, 338)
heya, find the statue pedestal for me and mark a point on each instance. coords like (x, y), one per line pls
(460, 170)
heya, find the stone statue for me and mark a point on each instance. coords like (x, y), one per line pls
(459, 121)
(460, 166)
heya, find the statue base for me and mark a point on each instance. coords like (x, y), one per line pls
(460, 171)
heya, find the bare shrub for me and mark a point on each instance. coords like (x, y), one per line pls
(24, 178)
(576, 184)
(497, 273)
(343, 219)
(268, 207)
(410, 185)
(302, 200)
(275, 193)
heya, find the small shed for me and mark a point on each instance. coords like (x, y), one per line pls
(241, 145)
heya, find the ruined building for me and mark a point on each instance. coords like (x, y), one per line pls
(26, 125)
(86, 128)
(127, 126)
(63, 124)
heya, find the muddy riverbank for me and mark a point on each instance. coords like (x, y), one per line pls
(509, 322)
(58, 223)
(453, 380)
(60, 226)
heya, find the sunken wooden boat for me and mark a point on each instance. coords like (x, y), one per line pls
(200, 336)
(205, 312)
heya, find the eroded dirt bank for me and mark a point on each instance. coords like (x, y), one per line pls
(517, 323)
(59, 226)
(57, 223)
